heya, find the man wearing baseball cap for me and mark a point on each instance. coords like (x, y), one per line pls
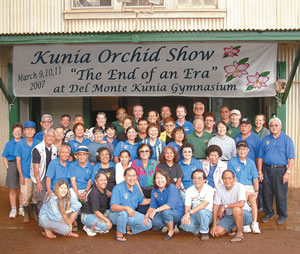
(23, 159)
(252, 139)
(245, 172)
(234, 126)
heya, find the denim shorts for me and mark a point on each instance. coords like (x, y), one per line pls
(228, 223)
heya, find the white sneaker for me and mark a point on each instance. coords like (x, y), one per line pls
(12, 214)
(21, 211)
(90, 232)
(255, 228)
(176, 229)
(164, 230)
(246, 229)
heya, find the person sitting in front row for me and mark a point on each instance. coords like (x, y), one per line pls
(94, 213)
(198, 206)
(58, 212)
(166, 207)
(230, 211)
(126, 196)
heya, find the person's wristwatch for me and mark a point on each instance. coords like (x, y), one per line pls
(289, 172)
(226, 206)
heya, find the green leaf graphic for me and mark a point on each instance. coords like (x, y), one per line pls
(249, 88)
(225, 56)
(229, 79)
(264, 74)
(244, 60)
(237, 47)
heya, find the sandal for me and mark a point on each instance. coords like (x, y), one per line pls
(237, 239)
(129, 232)
(232, 232)
(121, 239)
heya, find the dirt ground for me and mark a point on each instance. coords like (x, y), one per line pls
(17, 237)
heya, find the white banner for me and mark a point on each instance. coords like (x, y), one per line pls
(227, 69)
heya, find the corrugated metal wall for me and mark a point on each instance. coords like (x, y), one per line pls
(287, 53)
(47, 16)
(5, 54)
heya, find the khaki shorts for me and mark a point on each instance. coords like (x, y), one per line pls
(249, 189)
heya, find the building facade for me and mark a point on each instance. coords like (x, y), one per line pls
(60, 24)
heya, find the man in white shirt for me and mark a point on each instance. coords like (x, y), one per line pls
(198, 206)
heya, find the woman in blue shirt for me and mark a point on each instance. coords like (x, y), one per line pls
(79, 139)
(130, 145)
(179, 137)
(166, 206)
(12, 177)
(153, 132)
(106, 166)
(58, 212)
(188, 165)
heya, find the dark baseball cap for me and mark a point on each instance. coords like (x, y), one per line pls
(245, 120)
(243, 143)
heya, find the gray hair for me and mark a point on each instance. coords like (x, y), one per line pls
(46, 115)
(60, 147)
(275, 118)
(49, 129)
(198, 102)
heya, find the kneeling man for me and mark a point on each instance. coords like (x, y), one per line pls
(198, 206)
(126, 196)
(230, 207)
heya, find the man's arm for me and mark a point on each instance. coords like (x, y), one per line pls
(36, 171)
(289, 168)
(19, 166)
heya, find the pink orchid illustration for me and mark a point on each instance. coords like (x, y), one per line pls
(232, 51)
(236, 70)
(257, 80)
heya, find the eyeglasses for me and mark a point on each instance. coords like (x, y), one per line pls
(144, 151)
(48, 121)
(169, 125)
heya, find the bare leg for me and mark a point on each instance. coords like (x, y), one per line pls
(48, 234)
(238, 214)
(252, 200)
(13, 197)
(170, 226)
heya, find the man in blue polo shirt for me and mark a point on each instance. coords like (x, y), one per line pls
(46, 123)
(126, 196)
(245, 172)
(23, 159)
(181, 121)
(275, 161)
(58, 168)
(252, 139)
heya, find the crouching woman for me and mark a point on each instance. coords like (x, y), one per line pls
(58, 212)
(94, 213)
(166, 207)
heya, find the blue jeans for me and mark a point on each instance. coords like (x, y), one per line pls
(92, 221)
(59, 227)
(164, 217)
(121, 219)
(199, 222)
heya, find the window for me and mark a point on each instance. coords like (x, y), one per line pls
(91, 3)
(196, 3)
(140, 3)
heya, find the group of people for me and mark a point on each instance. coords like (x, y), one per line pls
(203, 176)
